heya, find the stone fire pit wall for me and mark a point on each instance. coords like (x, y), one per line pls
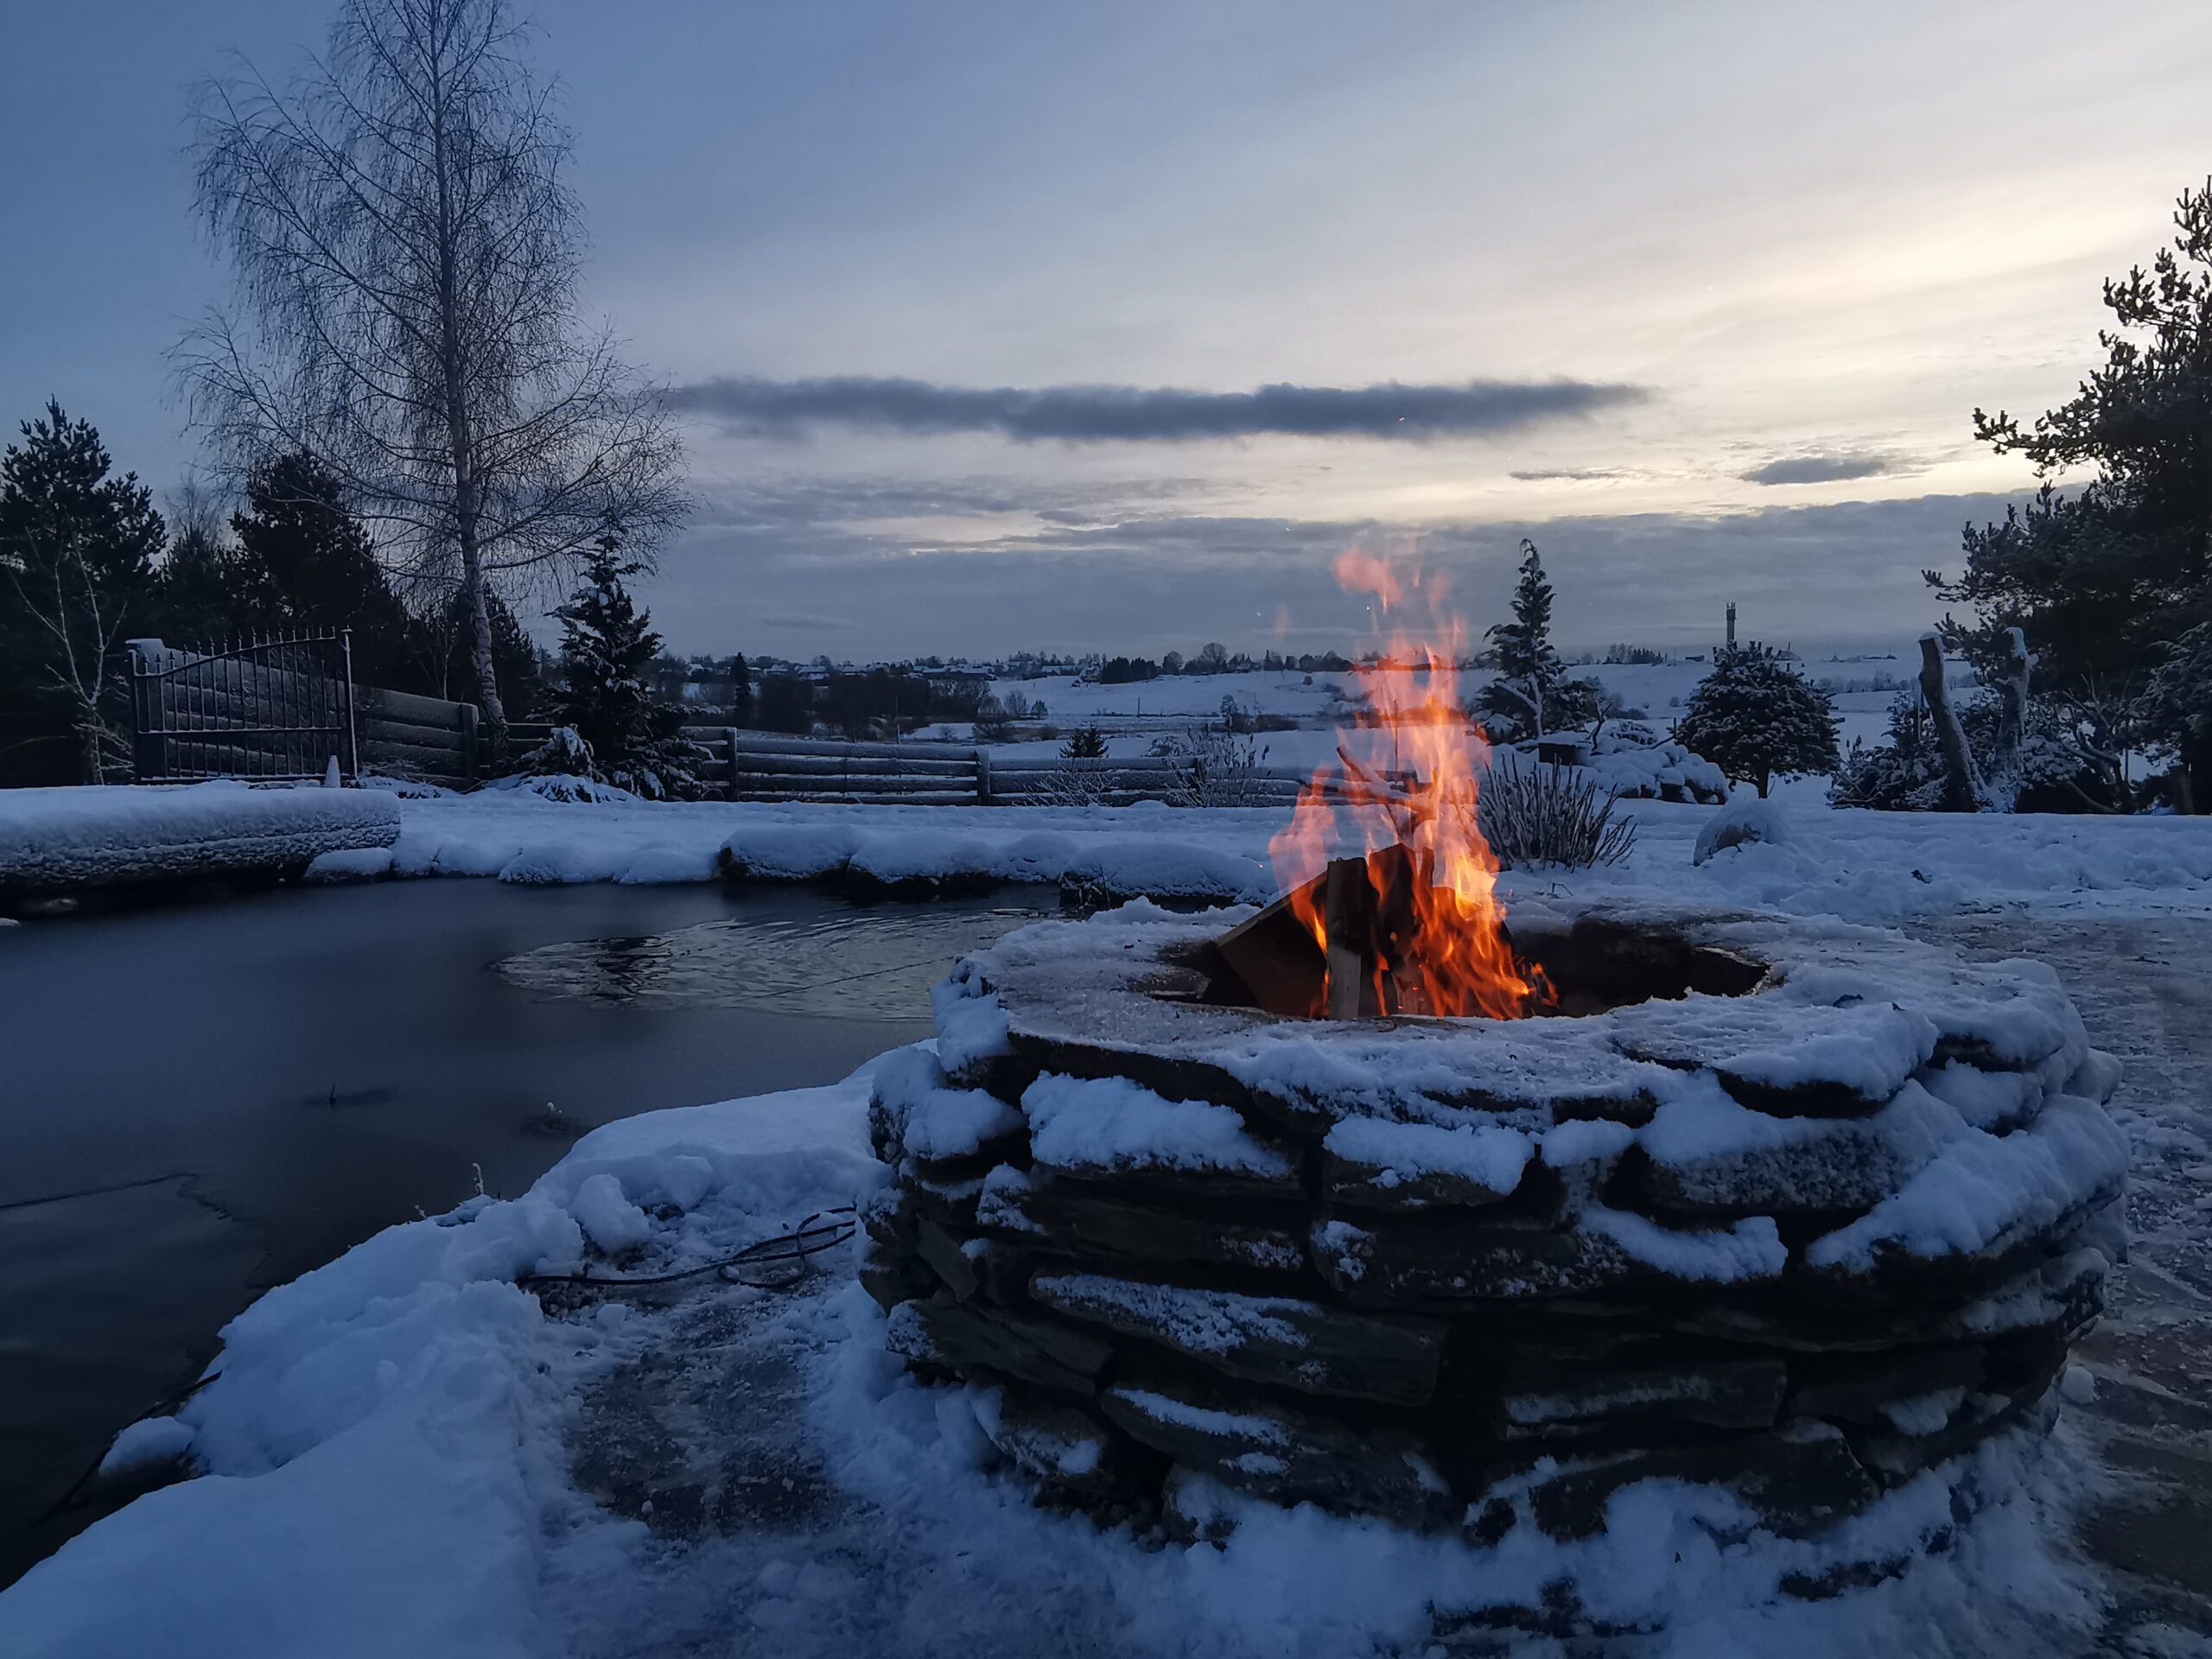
(1802, 1242)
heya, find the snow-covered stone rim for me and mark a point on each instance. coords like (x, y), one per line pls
(1799, 1245)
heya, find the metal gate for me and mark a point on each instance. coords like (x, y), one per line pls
(274, 707)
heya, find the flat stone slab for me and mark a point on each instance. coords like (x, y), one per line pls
(1282, 1341)
(1285, 1455)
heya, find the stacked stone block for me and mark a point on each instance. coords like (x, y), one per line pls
(1472, 1274)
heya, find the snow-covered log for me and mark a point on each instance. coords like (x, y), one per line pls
(59, 839)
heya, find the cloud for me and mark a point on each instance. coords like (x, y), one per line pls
(756, 408)
(805, 619)
(1577, 475)
(1845, 575)
(1826, 469)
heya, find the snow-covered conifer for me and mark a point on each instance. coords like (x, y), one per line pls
(1757, 718)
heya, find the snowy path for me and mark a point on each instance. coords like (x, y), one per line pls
(2143, 988)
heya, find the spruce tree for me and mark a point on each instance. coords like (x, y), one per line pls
(607, 646)
(1532, 693)
(77, 577)
(1757, 718)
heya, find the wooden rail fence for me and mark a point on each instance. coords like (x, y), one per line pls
(748, 766)
(213, 713)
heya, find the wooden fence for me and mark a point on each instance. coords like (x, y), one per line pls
(398, 733)
(285, 708)
(747, 766)
(427, 738)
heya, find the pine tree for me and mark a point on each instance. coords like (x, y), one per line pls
(444, 644)
(607, 646)
(1757, 718)
(1532, 693)
(2106, 582)
(77, 573)
(299, 545)
(1084, 743)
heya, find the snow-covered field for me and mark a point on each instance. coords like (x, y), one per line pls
(403, 1453)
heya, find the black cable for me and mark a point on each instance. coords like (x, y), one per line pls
(811, 1237)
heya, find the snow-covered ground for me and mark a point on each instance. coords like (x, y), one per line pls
(1867, 867)
(405, 1453)
(407, 1456)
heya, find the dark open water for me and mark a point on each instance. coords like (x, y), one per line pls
(196, 1104)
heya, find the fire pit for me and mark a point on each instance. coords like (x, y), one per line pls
(1383, 1200)
(1793, 1208)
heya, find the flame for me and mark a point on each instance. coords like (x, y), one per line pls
(1410, 778)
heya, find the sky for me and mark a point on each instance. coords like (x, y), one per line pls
(1108, 328)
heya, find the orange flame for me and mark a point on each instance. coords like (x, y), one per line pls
(1410, 778)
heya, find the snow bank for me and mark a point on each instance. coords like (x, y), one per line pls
(100, 836)
(381, 1446)
(1808, 859)
(386, 1474)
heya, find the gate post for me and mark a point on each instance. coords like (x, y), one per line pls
(346, 685)
(145, 722)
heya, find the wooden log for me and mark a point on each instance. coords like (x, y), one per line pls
(783, 743)
(2013, 717)
(861, 797)
(413, 759)
(406, 731)
(768, 762)
(376, 700)
(1961, 785)
(1348, 912)
(472, 749)
(880, 782)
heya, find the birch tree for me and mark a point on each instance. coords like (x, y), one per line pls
(407, 250)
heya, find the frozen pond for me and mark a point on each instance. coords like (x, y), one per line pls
(200, 1102)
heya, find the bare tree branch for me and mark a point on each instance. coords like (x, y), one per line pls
(408, 251)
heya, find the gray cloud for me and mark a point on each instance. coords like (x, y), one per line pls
(1576, 475)
(808, 620)
(1825, 469)
(756, 408)
(1842, 575)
